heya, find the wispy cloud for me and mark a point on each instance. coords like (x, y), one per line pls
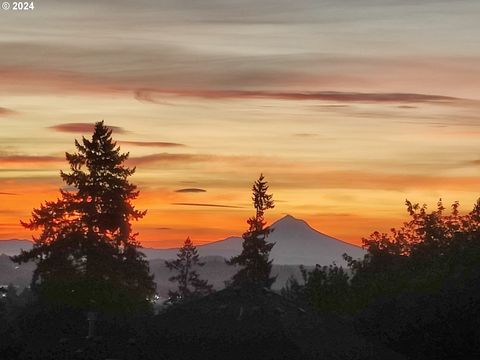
(300, 96)
(160, 144)
(191, 190)
(208, 205)
(186, 158)
(4, 111)
(83, 128)
(168, 158)
(7, 193)
(148, 96)
(305, 135)
(375, 180)
(28, 159)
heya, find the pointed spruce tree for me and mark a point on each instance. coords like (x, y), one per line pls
(189, 283)
(87, 255)
(255, 266)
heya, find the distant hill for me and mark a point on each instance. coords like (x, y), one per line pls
(215, 270)
(11, 273)
(13, 247)
(296, 243)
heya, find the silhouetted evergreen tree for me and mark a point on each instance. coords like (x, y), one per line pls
(295, 290)
(254, 259)
(189, 283)
(86, 253)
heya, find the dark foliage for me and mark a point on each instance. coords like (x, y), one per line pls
(417, 289)
(45, 331)
(189, 283)
(326, 288)
(86, 255)
(254, 259)
(255, 323)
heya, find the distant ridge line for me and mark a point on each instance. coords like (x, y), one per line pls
(284, 218)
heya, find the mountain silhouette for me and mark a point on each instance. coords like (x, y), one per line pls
(14, 247)
(296, 243)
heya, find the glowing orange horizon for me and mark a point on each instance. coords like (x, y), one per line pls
(346, 115)
(170, 220)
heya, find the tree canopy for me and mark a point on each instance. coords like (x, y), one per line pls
(417, 288)
(86, 254)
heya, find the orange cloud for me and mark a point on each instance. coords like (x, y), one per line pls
(30, 80)
(209, 205)
(25, 161)
(4, 111)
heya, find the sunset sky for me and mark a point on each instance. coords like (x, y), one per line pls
(347, 106)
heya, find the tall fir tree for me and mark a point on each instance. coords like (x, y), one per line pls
(87, 255)
(254, 259)
(189, 283)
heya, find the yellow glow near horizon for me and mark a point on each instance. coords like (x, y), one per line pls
(346, 110)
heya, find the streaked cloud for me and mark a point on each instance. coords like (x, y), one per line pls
(306, 95)
(208, 205)
(368, 46)
(160, 144)
(7, 193)
(191, 190)
(4, 111)
(348, 107)
(168, 158)
(84, 128)
(9, 159)
(306, 135)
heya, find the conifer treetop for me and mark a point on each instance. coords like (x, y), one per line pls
(190, 285)
(254, 259)
(86, 253)
(100, 179)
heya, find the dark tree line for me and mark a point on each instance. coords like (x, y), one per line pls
(417, 289)
(87, 255)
